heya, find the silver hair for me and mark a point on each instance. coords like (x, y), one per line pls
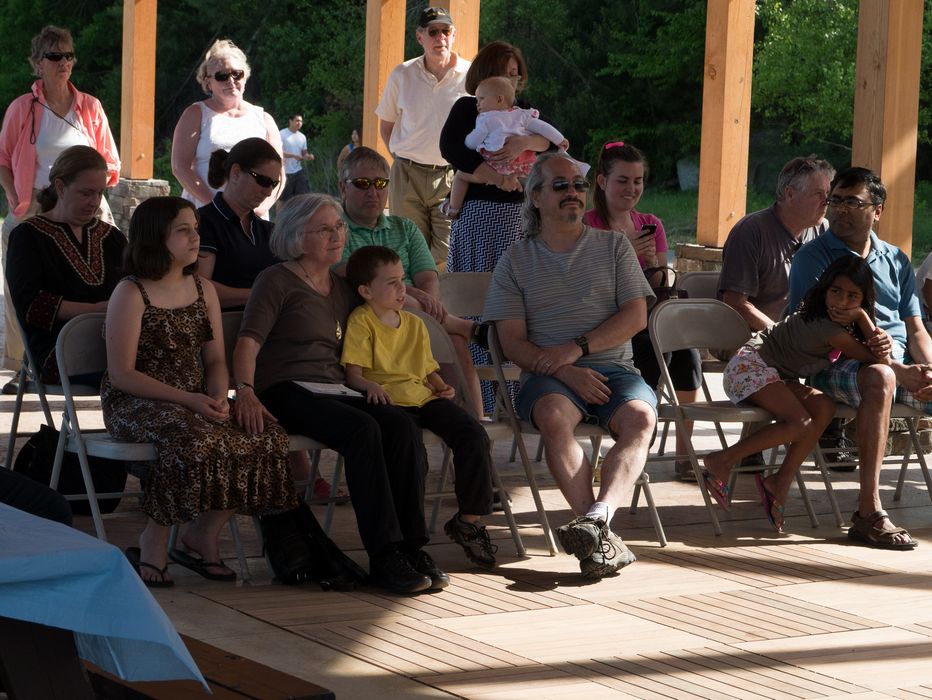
(800, 169)
(530, 215)
(287, 241)
(220, 49)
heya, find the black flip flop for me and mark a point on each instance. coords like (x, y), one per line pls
(134, 554)
(199, 566)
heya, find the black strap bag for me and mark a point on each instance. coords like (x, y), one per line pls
(37, 456)
(300, 551)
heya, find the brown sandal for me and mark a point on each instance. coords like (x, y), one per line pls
(867, 531)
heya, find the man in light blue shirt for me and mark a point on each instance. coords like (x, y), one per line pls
(854, 205)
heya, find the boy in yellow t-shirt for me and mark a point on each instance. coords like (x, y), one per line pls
(386, 354)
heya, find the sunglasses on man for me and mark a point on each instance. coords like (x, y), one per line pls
(561, 185)
(364, 183)
(434, 31)
(56, 56)
(222, 77)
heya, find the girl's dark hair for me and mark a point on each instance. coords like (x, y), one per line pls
(70, 163)
(247, 154)
(364, 264)
(610, 154)
(855, 269)
(492, 61)
(146, 255)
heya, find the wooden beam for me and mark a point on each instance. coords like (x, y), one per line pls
(137, 108)
(385, 49)
(726, 114)
(886, 107)
(465, 14)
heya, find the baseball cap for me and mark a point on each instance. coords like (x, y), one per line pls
(434, 14)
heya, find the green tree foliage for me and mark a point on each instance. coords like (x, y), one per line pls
(622, 69)
(804, 67)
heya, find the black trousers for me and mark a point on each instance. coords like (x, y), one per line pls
(685, 365)
(32, 497)
(470, 445)
(386, 464)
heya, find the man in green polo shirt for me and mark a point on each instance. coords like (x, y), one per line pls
(364, 189)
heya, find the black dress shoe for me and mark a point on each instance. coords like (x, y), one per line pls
(393, 572)
(424, 564)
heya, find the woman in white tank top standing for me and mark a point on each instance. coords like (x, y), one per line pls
(37, 128)
(221, 121)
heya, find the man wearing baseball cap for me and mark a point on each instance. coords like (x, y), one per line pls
(412, 112)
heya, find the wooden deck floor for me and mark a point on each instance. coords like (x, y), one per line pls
(750, 614)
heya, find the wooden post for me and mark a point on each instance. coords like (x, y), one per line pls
(726, 113)
(385, 49)
(137, 108)
(465, 14)
(886, 107)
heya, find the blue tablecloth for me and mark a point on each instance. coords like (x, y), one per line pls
(54, 575)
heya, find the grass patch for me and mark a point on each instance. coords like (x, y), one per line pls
(677, 210)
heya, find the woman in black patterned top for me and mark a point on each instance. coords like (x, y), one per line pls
(64, 261)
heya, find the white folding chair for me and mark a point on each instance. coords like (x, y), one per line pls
(445, 354)
(81, 349)
(28, 382)
(521, 428)
(700, 323)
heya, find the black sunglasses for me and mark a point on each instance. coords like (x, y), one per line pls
(434, 31)
(563, 185)
(222, 77)
(263, 180)
(56, 56)
(364, 183)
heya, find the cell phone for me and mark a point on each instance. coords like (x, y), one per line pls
(648, 230)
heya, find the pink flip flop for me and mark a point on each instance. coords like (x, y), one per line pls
(718, 489)
(768, 501)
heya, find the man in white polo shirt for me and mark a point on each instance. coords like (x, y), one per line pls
(412, 111)
(294, 148)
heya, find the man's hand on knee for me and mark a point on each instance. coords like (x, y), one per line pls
(588, 384)
(914, 378)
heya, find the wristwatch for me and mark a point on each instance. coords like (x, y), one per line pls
(583, 342)
(242, 385)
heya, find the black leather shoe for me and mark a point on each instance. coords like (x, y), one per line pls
(424, 564)
(393, 572)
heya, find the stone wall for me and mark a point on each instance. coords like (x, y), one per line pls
(126, 196)
(691, 257)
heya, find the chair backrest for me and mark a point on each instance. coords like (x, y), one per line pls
(696, 323)
(443, 351)
(699, 285)
(463, 293)
(231, 321)
(81, 347)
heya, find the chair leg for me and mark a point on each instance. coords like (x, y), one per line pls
(244, 572)
(829, 489)
(506, 507)
(540, 451)
(337, 478)
(17, 409)
(444, 471)
(920, 455)
(694, 460)
(535, 492)
(804, 494)
(662, 448)
(652, 508)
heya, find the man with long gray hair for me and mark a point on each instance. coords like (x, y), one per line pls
(566, 300)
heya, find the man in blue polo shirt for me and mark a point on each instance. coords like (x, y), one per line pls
(854, 205)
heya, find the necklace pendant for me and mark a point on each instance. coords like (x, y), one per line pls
(339, 331)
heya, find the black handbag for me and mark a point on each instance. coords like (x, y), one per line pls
(300, 551)
(667, 287)
(37, 457)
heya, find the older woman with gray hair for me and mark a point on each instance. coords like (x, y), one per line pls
(220, 121)
(37, 127)
(292, 331)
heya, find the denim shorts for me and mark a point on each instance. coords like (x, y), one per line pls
(624, 384)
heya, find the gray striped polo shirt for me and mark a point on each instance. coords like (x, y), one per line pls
(563, 295)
